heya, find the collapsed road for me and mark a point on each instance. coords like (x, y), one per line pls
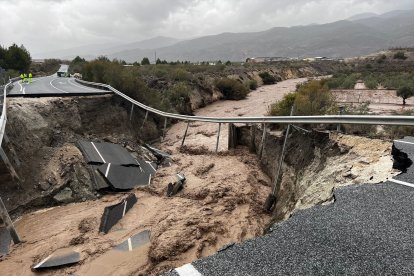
(221, 202)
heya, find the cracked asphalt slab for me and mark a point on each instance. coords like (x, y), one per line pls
(369, 230)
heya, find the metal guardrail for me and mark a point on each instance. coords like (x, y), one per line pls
(325, 119)
(3, 117)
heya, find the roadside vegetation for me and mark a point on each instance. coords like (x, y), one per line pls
(312, 98)
(372, 80)
(48, 67)
(13, 61)
(167, 87)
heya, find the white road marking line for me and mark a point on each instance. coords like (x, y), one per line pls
(107, 170)
(404, 142)
(98, 152)
(20, 84)
(24, 90)
(129, 244)
(187, 270)
(42, 262)
(151, 165)
(83, 87)
(56, 87)
(123, 212)
(149, 179)
(401, 182)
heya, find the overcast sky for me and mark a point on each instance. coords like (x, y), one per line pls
(47, 25)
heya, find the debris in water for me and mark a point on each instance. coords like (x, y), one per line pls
(173, 189)
(112, 214)
(59, 258)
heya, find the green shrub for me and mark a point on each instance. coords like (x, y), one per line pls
(252, 84)
(179, 97)
(400, 55)
(282, 108)
(267, 78)
(312, 98)
(180, 74)
(232, 89)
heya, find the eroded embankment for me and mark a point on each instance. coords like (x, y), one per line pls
(43, 133)
(317, 162)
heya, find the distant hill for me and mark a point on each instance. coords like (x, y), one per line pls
(359, 35)
(362, 16)
(95, 50)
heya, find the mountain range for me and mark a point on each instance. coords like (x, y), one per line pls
(358, 35)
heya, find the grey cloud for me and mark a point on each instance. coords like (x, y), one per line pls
(47, 25)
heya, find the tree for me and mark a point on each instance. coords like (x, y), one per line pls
(158, 61)
(103, 58)
(145, 61)
(17, 58)
(78, 59)
(405, 92)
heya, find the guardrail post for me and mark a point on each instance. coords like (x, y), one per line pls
(232, 136)
(341, 112)
(218, 137)
(262, 142)
(252, 145)
(132, 110)
(271, 199)
(8, 222)
(185, 134)
(145, 119)
(8, 165)
(165, 129)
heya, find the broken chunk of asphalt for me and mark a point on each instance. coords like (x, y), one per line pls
(134, 242)
(60, 257)
(163, 159)
(124, 178)
(173, 189)
(112, 214)
(101, 153)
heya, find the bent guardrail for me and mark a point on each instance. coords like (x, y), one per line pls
(324, 119)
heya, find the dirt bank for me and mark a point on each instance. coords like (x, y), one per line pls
(317, 162)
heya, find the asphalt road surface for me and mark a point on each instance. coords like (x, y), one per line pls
(52, 85)
(368, 230)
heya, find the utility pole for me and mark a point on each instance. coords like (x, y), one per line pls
(155, 57)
